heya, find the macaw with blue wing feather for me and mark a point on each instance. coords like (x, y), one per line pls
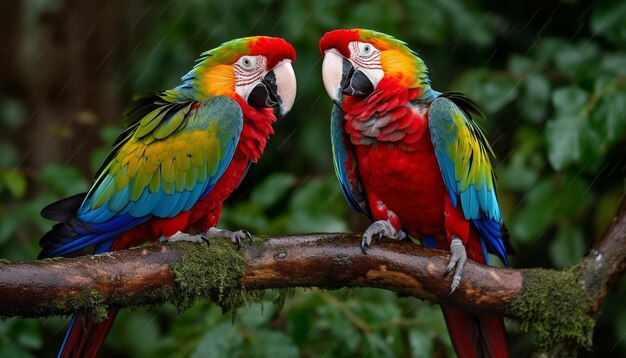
(413, 160)
(182, 153)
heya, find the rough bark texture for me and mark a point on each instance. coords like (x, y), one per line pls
(562, 318)
(147, 275)
(603, 267)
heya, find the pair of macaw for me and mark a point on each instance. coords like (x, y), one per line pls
(408, 157)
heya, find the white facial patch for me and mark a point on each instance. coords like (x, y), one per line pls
(366, 57)
(249, 71)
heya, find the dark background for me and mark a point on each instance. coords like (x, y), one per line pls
(550, 75)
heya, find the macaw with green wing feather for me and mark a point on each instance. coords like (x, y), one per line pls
(182, 153)
(413, 160)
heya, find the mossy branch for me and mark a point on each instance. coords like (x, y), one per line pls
(560, 306)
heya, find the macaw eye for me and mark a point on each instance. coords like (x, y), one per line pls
(246, 62)
(365, 50)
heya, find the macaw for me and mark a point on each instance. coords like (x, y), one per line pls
(182, 153)
(413, 160)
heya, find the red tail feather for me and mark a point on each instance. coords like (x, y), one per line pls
(85, 337)
(476, 336)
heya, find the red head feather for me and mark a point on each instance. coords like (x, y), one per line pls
(339, 39)
(273, 48)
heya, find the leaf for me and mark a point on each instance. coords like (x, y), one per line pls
(220, 341)
(492, 91)
(516, 176)
(299, 325)
(569, 100)
(12, 112)
(141, 332)
(536, 214)
(420, 343)
(563, 139)
(519, 65)
(548, 48)
(96, 159)
(248, 215)
(534, 100)
(272, 189)
(567, 248)
(607, 20)
(63, 180)
(273, 344)
(563, 133)
(608, 114)
(303, 222)
(571, 196)
(8, 224)
(579, 61)
(108, 134)
(377, 15)
(15, 182)
(9, 155)
(256, 315)
(28, 334)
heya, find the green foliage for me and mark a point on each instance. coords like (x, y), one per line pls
(550, 77)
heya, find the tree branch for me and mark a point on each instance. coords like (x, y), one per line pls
(146, 275)
(182, 272)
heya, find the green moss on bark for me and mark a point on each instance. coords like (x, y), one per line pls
(91, 303)
(211, 272)
(554, 306)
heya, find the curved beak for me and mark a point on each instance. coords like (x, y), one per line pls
(276, 89)
(335, 69)
(340, 77)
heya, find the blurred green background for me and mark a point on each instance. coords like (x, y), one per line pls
(550, 75)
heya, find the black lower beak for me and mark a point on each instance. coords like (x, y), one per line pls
(354, 82)
(264, 95)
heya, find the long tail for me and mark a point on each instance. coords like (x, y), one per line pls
(84, 337)
(476, 336)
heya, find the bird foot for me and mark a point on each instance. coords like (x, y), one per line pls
(181, 236)
(236, 237)
(380, 229)
(458, 257)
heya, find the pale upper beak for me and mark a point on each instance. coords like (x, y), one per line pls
(285, 85)
(342, 78)
(276, 89)
(333, 73)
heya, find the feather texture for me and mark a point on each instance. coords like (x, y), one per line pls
(149, 177)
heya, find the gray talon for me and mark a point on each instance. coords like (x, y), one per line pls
(235, 236)
(181, 236)
(364, 246)
(458, 257)
(380, 229)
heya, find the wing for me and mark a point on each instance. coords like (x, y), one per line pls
(464, 154)
(161, 166)
(345, 164)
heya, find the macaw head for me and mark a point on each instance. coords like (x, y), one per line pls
(257, 69)
(356, 60)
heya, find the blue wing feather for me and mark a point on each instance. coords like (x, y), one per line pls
(342, 152)
(467, 177)
(97, 226)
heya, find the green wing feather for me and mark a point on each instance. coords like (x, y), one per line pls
(167, 158)
(463, 155)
